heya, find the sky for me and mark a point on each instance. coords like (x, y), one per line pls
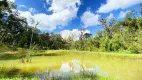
(68, 16)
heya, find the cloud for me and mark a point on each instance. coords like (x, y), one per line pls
(48, 1)
(59, 17)
(59, 5)
(11, 0)
(117, 4)
(110, 16)
(122, 14)
(27, 15)
(23, 6)
(75, 33)
(32, 10)
(90, 19)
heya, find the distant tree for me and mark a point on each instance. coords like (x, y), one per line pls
(81, 38)
(34, 24)
(44, 40)
(70, 41)
(87, 36)
(106, 27)
(131, 14)
(56, 42)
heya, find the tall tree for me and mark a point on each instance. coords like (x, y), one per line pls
(82, 30)
(106, 27)
(87, 36)
(34, 25)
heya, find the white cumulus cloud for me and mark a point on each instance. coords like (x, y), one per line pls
(122, 14)
(63, 13)
(27, 15)
(75, 34)
(117, 4)
(32, 10)
(59, 5)
(90, 19)
(110, 16)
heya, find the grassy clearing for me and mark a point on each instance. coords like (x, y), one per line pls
(120, 66)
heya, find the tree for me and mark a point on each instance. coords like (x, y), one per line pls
(34, 24)
(131, 14)
(56, 42)
(44, 40)
(12, 26)
(87, 36)
(106, 28)
(82, 30)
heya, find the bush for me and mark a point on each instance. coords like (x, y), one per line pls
(133, 49)
(114, 45)
(104, 43)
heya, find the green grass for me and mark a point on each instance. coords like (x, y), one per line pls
(119, 66)
(18, 78)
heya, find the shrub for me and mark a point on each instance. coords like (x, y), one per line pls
(114, 45)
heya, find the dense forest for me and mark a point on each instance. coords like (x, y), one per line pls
(116, 35)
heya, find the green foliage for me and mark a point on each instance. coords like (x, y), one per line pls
(123, 35)
(116, 35)
(115, 43)
(104, 43)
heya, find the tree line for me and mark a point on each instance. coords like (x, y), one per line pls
(115, 36)
(15, 31)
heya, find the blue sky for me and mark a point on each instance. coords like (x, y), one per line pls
(67, 16)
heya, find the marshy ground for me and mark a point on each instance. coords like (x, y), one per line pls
(118, 66)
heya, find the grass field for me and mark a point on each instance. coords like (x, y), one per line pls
(119, 66)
